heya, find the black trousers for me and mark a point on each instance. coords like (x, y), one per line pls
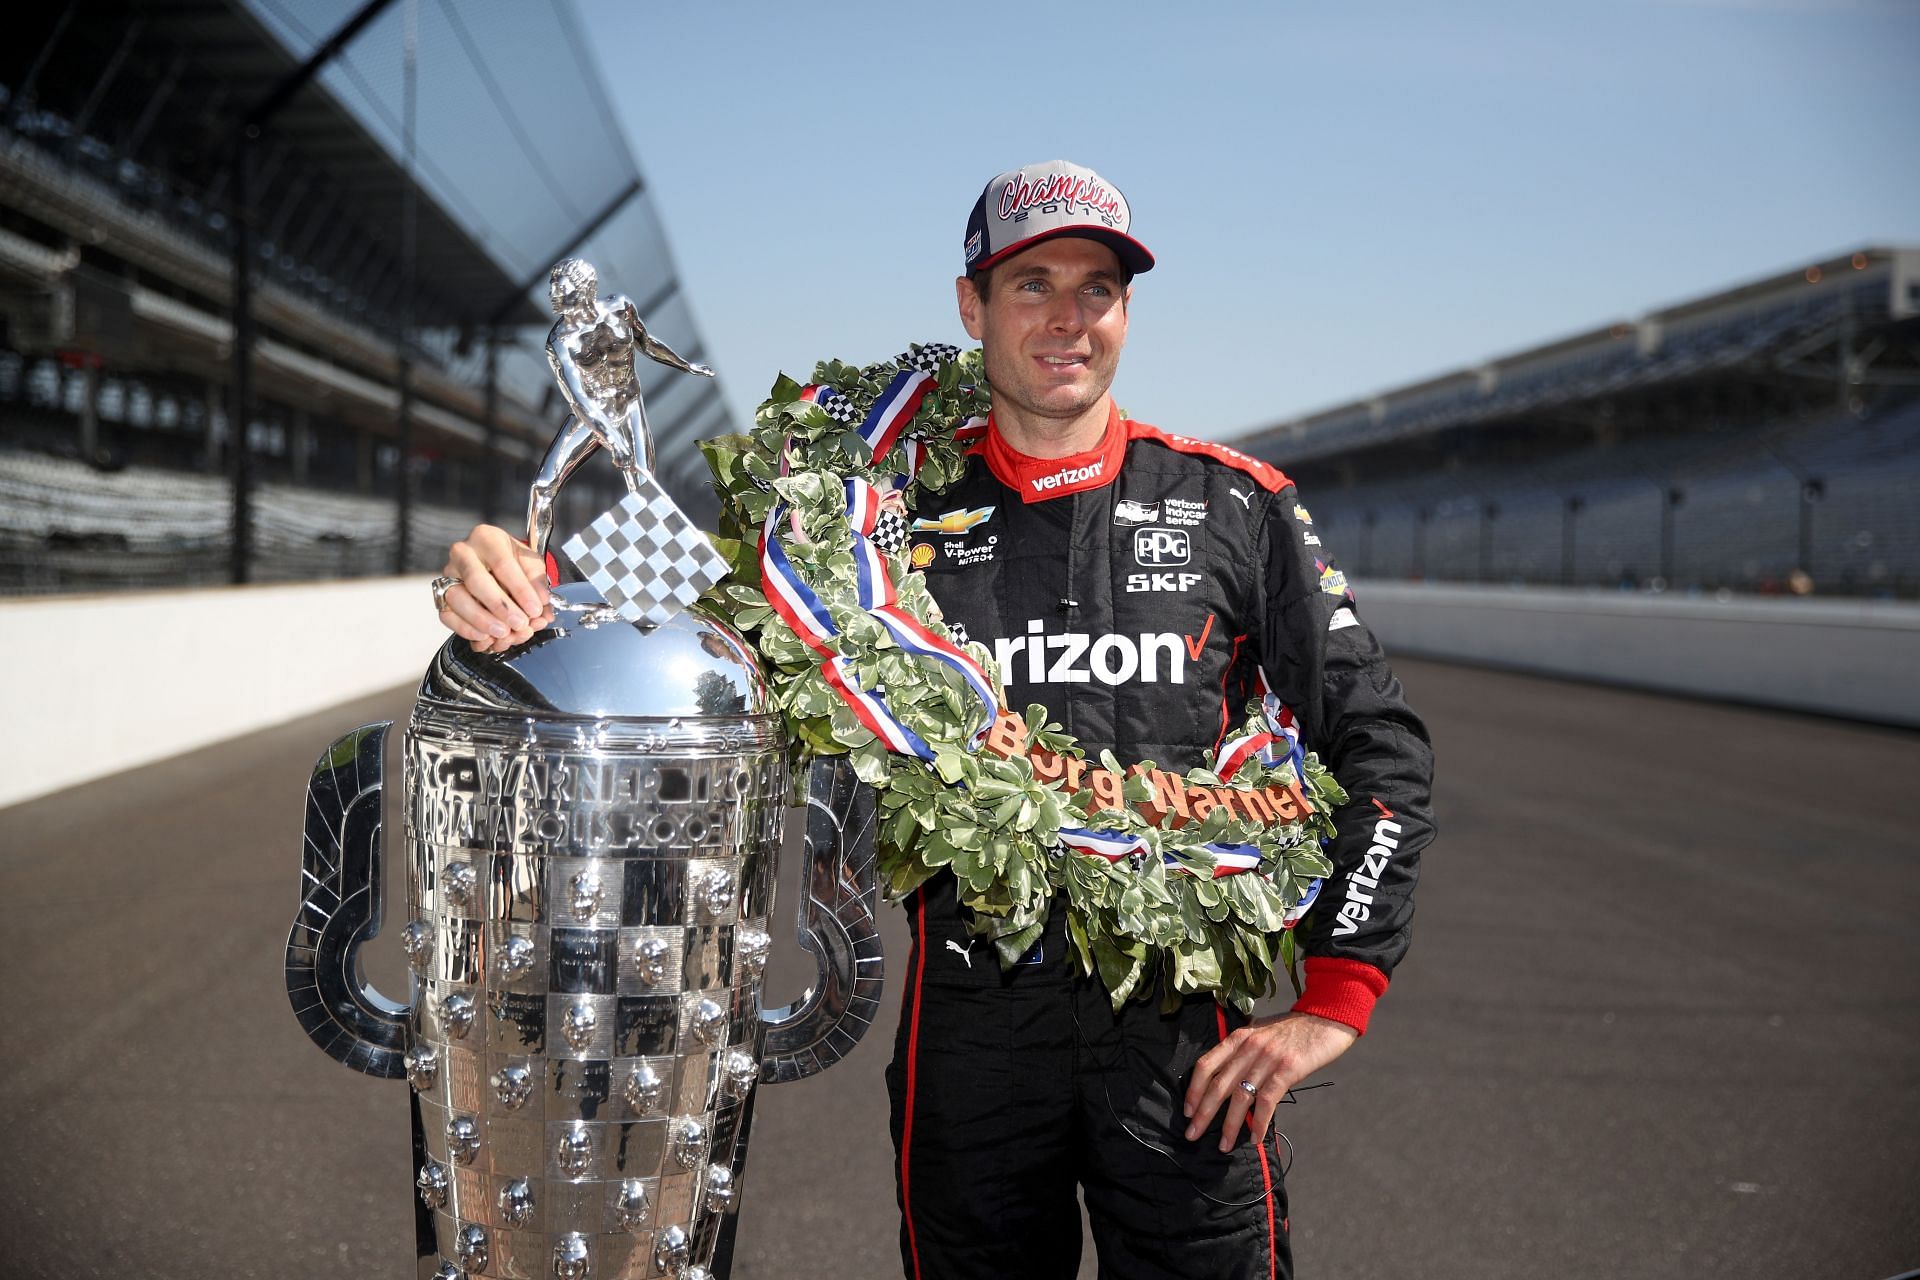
(1011, 1090)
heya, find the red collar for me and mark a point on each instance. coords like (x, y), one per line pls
(1040, 479)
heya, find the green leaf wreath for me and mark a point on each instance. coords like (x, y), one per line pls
(1160, 920)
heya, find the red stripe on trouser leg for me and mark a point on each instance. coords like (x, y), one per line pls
(1266, 1178)
(913, 1061)
(1266, 1172)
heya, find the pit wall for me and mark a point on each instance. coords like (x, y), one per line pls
(1857, 659)
(95, 684)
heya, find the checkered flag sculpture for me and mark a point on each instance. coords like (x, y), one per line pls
(644, 557)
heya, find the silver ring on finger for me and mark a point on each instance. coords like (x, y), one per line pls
(441, 585)
(1249, 1088)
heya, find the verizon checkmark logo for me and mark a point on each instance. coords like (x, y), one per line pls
(1195, 647)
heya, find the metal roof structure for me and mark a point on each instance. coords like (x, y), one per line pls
(410, 173)
(158, 88)
(1810, 325)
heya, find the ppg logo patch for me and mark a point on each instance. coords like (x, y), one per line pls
(1156, 548)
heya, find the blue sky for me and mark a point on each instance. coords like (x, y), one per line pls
(1343, 198)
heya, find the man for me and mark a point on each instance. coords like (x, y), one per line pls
(1134, 582)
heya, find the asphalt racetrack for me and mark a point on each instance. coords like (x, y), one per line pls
(1661, 1019)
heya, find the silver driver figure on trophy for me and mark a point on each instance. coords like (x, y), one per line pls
(591, 350)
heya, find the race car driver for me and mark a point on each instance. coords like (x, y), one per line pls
(1133, 581)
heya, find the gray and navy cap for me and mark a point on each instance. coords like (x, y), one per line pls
(1037, 202)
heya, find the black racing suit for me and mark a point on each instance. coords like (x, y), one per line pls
(1133, 590)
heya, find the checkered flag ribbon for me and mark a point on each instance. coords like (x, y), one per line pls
(889, 532)
(644, 557)
(927, 357)
(836, 406)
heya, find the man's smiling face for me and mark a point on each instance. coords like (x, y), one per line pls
(1052, 324)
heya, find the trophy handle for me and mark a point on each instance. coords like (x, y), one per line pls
(837, 924)
(340, 909)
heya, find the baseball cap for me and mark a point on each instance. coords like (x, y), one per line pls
(1037, 202)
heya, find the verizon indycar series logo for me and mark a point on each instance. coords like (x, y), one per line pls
(1183, 511)
(1167, 511)
(1161, 548)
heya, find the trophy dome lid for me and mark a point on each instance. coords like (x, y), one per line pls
(691, 666)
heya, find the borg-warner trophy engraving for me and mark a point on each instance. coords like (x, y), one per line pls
(593, 824)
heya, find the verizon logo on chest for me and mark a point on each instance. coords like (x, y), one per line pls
(1076, 657)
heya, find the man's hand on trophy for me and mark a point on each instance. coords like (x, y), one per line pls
(493, 591)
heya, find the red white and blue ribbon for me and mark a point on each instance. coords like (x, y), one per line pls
(877, 597)
(1118, 846)
(894, 409)
(1280, 740)
(1282, 728)
(802, 609)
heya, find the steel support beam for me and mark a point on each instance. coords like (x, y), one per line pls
(578, 238)
(108, 74)
(490, 420)
(245, 140)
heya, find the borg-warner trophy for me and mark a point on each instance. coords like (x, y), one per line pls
(594, 819)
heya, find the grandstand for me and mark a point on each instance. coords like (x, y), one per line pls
(1762, 439)
(383, 348)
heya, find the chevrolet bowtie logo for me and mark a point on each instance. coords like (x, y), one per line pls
(953, 521)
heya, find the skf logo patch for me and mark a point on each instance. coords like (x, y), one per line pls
(1163, 581)
(1158, 548)
(1131, 512)
(954, 521)
(922, 555)
(1300, 514)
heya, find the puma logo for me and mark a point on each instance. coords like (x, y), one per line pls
(965, 953)
(1246, 499)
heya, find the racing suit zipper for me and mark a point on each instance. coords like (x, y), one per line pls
(1069, 600)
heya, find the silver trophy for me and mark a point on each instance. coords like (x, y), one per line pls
(594, 820)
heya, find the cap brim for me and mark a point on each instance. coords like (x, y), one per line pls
(1133, 255)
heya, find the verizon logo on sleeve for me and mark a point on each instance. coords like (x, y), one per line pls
(1358, 907)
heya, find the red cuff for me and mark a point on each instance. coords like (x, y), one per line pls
(1341, 990)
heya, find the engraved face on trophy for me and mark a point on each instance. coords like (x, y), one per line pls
(516, 1203)
(571, 1258)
